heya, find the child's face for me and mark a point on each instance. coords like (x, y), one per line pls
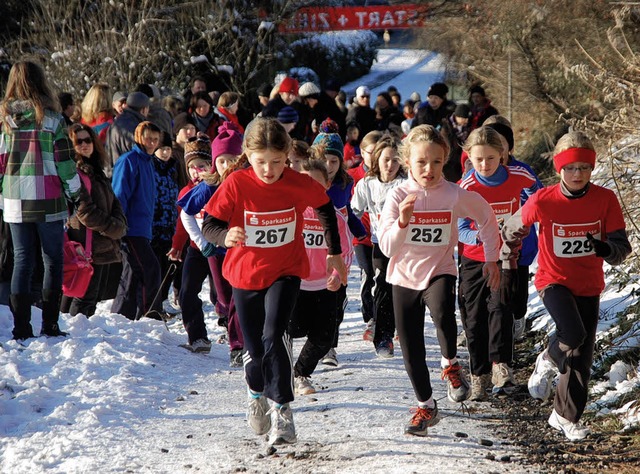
(296, 161)
(352, 134)
(425, 163)
(268, 165)
(197, 167)
(318, 176)
(333, 165)
(485, 159)
(224, 161)
(461, 121)
(163, 153)
(150, 141)
(289, 126)
(389, 164)
(367, 154)
(575, 176)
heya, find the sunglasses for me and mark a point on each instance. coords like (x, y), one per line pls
(80, 141)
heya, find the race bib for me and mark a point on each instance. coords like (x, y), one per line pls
(430, 228)
(502, 211)
(570, 240)
(269, 229)
(313, 234)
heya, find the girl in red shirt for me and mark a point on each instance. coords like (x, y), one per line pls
(257, 214)
(581, 226)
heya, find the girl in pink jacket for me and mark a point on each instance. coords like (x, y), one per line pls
(419, 232)
(318, 303)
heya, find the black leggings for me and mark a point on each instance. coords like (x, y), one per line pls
(314, 316)
(409, 307)
(264, 316)
(571, 346)
(382, 298)
(364, 256)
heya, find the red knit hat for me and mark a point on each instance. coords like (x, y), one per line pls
(289, 84)
(574, 155)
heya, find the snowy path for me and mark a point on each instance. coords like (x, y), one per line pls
(119, 396)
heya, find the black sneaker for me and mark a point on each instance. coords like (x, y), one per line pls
(421, 420)
(235, 358)
(384, 349)
(53, 330)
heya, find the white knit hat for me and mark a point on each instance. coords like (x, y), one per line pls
(307, 89)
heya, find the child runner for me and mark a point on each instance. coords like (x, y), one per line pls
(487, 317)
(317, 308)
(529, 248)
(581, 226)
(298, 155)
(257, 213)
(225, 149)
(363, 248)
(331, 151)
(418, 231)
(386, 173)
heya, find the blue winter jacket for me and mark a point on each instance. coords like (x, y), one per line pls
(341, 197)
(134, 185)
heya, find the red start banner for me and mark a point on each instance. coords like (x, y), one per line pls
(380, 17)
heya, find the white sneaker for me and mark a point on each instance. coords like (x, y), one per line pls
(502, 379)
(479, 385)
(519, 326)
(201, 345)
(541, 380)
(303, 386)
(331, 358)
(573, 431)
(283, 430)
(258, 414)
(458, 389)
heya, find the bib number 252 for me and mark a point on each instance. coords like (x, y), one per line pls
(426, 235)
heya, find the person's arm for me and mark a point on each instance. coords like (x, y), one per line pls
(191, 226)
(216, 230)
(513, 233)
(112, 225)
(65, 165)
(466, 234)
(394, 223)
(358, 200)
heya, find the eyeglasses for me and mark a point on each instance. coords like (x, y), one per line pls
(80, 141)
(573, 169)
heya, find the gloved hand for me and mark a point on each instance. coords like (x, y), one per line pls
(209, 250)
(601, 248)
(508, 285)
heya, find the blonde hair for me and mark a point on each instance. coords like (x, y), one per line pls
(484, 136)
(96, 101)
(573, 139)
(261, 134)
(497, 119)
(370, 138)
(423, 134)
(227, 99)
(27, 81)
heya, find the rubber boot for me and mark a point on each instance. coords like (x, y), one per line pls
(51, 313)
(21, 309)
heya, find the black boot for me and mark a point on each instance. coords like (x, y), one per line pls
(21, 309)
(50, 314)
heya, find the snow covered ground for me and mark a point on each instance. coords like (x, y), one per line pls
(122, 396)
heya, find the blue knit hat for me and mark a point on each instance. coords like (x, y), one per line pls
(329, 138)
(288, 115)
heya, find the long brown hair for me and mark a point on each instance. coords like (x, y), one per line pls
(99, 156)
(387, 140)
(27, 81)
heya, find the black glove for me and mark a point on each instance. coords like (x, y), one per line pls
(601, 248)
(508, 285)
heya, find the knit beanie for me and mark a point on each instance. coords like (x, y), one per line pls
(180, 121)
(166, 140)
(264, 90)
(329, 138)
(574, 155)
(197, 147)
(288, 115)
(137, 101)
(309, 89)
(463, 111)
(505, 131)
(477, 90)
(227, 142)
(289, 84)
(438, 88)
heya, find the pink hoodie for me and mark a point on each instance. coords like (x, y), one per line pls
(424, 249)
(316, 248)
